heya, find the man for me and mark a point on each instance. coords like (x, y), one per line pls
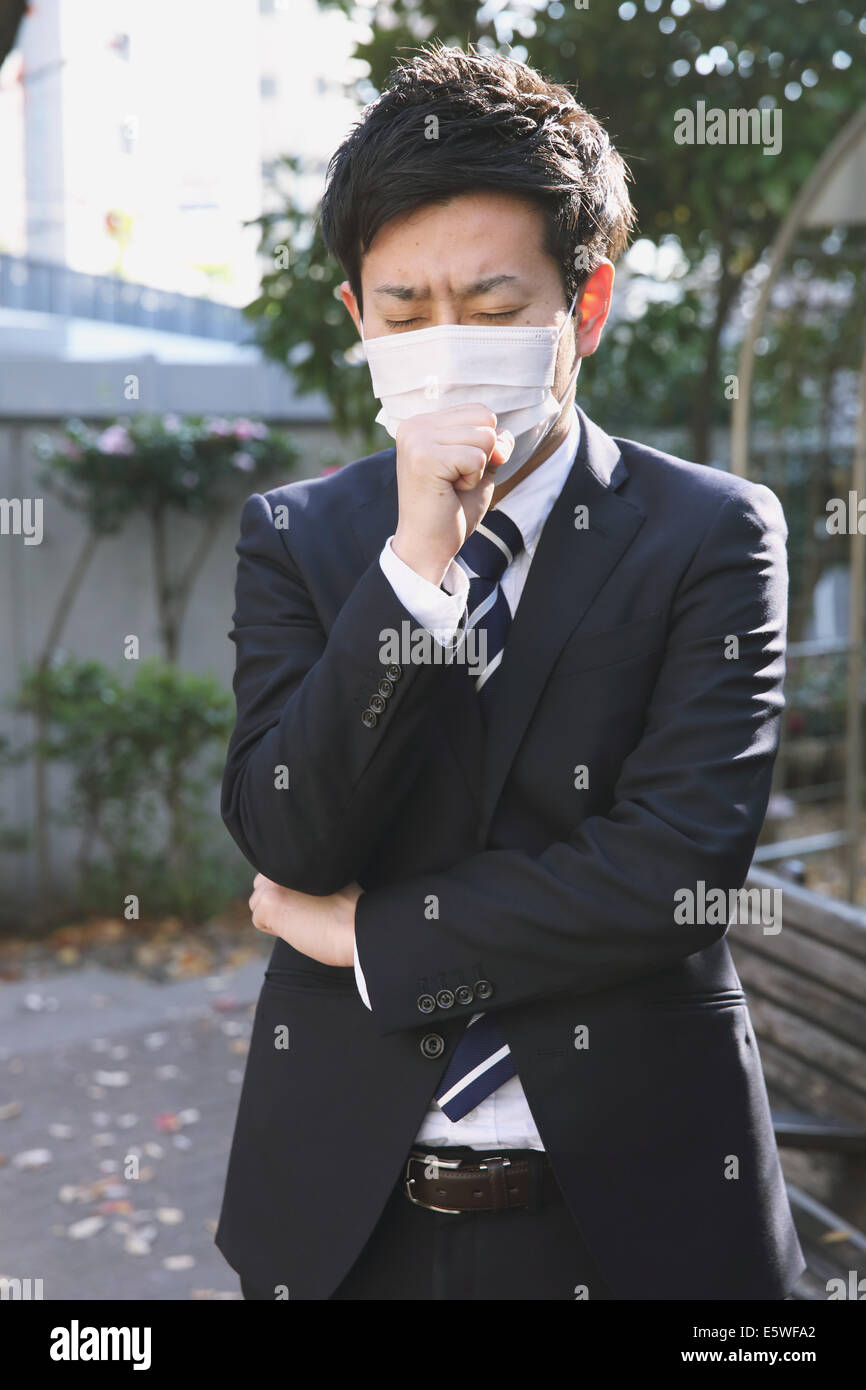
(507, 695)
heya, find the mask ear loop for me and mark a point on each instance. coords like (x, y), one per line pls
(568, 316)
(573, 376)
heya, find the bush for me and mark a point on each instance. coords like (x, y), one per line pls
(143, 758)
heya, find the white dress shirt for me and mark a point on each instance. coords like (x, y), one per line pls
(504, 1119)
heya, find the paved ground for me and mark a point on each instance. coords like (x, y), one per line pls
(103, 1075)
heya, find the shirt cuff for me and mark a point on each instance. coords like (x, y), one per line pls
(437, 611)
(359, 979)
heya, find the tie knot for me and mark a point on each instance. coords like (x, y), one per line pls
(492, 546)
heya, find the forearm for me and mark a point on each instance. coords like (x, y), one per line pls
(586, 915)
(310, 779)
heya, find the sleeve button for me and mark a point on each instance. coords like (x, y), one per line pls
(483, 989)
(464, 994)
(393, 672)
(377, 704)
(426, 1003)
(445, 999)
(386, 688)
(369, 718)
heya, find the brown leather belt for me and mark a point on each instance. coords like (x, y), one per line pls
(495, 1183)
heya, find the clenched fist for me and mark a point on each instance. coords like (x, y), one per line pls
(446, 473)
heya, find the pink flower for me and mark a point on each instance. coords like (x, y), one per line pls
(250, 429)
(243, 461)
(332, 468)
(115, 440)
(218, 425)
(172, 423)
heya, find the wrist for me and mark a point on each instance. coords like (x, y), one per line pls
(431, 563)
(344, 931)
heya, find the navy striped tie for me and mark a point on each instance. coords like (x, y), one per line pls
(482, 1060)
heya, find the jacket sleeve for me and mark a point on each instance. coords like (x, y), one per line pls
(605, 905)
(310, 780)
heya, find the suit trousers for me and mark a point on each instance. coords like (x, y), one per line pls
(526, 1253)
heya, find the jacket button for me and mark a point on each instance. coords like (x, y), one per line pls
(369, 718)
(432, 1045)
(464, 994)
(426, 1003)
(445, 999)
(483, 989)
(386, 688)
(393, 672)
(377, 703)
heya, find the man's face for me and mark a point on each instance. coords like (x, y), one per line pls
(477, 259)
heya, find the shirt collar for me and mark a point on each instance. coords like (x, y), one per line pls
(529, 504)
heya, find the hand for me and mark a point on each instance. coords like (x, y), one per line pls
(322, 928)
(446, 473)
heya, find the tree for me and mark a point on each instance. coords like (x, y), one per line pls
(718, 205)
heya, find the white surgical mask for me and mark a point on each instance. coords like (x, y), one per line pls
(508, 369)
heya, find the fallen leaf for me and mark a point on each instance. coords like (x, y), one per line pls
(81, 1230)
(32, 1158)
(169, 1216)
(226, 1003)
(136, 1245)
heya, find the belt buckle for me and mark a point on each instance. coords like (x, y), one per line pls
(440, 1163)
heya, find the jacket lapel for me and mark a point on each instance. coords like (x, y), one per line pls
(571, 563)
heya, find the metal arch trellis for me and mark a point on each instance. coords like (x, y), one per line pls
(841, 148)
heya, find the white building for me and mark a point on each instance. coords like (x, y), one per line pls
(160, 121)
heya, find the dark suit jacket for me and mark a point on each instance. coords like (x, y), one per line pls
(490, 859)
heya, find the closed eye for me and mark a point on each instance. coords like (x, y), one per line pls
(491, 318)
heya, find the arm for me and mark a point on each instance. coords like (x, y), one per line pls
(300, 699)
(597, 909)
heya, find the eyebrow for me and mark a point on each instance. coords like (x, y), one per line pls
(408, 293)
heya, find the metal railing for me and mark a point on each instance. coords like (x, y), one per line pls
(43, 287)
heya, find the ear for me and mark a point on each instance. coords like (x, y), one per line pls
(594, 305)
(351, 304)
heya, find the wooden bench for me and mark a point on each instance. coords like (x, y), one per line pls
(806, 987)
(834, 1251)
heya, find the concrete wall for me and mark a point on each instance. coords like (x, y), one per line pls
(117, 595)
